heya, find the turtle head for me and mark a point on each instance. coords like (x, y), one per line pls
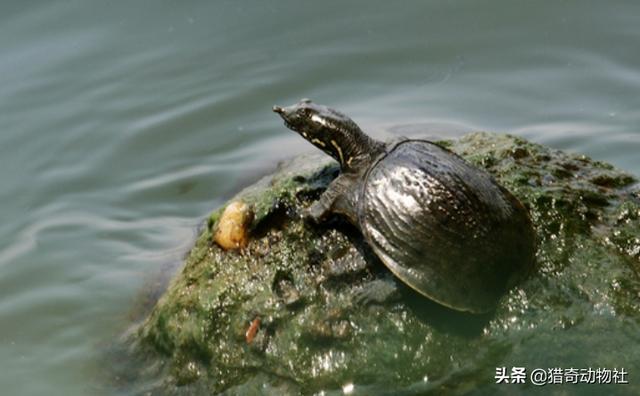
(329, 130)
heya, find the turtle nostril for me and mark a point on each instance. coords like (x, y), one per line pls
(278, 109)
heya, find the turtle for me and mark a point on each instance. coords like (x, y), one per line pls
(442, 226)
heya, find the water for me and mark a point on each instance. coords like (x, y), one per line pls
(123, 124)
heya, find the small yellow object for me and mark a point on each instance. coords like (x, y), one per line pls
(232, 229)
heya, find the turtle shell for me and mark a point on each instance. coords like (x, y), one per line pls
(444, 227)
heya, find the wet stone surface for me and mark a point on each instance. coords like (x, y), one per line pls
(306, 308)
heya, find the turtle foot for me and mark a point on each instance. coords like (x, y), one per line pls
(379, 291)
(314, 213)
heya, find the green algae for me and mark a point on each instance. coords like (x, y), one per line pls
(581, 307)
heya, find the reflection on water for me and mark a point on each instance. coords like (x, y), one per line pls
(123, 125)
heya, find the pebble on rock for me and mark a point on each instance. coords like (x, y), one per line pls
(232, 230)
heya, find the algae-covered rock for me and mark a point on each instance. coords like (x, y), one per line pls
(286, 313)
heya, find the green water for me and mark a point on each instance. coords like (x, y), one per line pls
(123, 124)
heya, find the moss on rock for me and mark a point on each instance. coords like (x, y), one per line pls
(581, 307)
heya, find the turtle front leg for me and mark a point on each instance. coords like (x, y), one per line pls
(333, 200)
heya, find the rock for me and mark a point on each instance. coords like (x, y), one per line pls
(580, 309)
